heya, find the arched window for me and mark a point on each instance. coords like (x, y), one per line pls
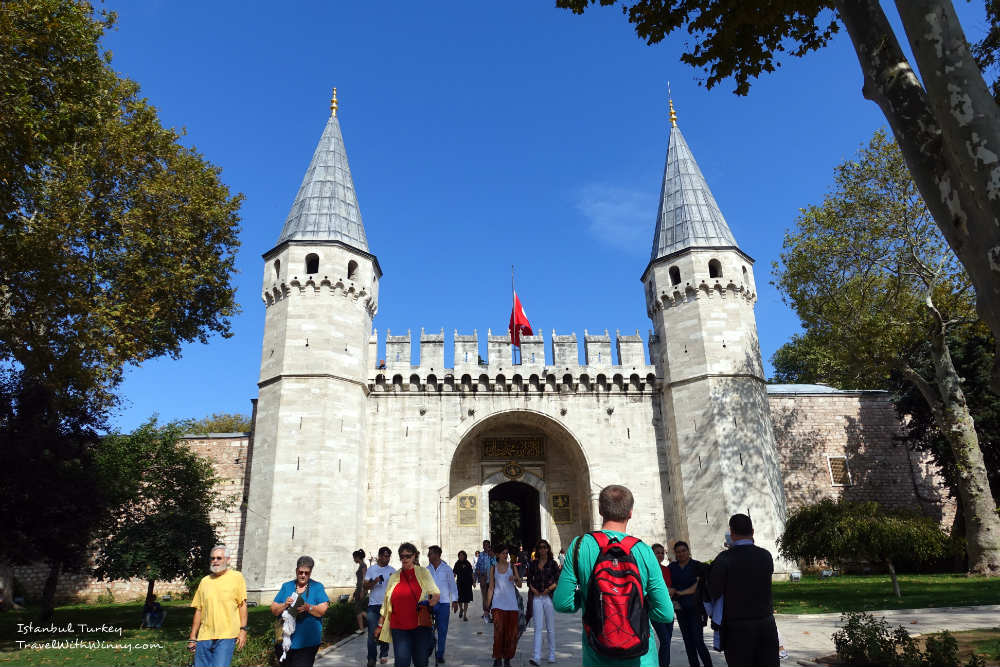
(675, 275)
(714, 268)
(352, 270)
(277, 269)
(312, 263)
(746, 276)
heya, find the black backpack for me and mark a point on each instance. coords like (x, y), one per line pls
(615, 617)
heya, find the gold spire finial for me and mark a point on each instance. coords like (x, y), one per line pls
(673, 114)
(333, 103)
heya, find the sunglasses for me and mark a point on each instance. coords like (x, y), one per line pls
(406, 556)
(304, 573)
(217, 558)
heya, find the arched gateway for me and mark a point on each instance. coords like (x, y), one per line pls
(522, 474)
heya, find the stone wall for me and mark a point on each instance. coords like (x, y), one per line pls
(863, 427)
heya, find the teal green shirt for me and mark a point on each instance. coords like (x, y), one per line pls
(661, 609)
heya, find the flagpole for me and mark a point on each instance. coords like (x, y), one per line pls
(513, 305)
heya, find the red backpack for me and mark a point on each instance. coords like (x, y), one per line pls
(615, 618)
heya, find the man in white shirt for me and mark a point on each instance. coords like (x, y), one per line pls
(376, 579)
(445, 580)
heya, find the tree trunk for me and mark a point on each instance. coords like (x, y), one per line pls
(950, 139)
(6, 586)
(149, 589)
(947, 402)
(895, 581)
(49, 592)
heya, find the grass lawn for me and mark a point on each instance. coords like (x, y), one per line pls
(872, 592)
(165, 646)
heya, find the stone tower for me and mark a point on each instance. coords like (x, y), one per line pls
(700, 296)
(320, 289)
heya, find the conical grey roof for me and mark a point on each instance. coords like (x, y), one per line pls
(326, 207)
(688, 216)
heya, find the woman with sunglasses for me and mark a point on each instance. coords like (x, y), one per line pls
(543, 575)
(306, 601)
(401, 621)
(502, 602)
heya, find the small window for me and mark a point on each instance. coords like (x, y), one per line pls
(675, 275)
(277, 269)
(839, 473)
(746, 276)
(312, 263)
(352, 270)
(714, 269)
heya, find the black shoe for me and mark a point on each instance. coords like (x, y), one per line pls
(506, 662)
(532, 662)
(496, 662)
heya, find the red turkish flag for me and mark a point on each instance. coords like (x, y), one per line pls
(519, 324)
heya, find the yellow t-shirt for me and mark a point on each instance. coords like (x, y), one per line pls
(219, 599)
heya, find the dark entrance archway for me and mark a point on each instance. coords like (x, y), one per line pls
(515, 517)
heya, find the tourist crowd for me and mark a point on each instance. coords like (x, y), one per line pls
(621, 584)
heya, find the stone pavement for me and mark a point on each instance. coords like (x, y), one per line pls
(806, 636)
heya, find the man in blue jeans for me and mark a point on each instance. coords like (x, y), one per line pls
(685, 574)
(444, 577)
(376, 578)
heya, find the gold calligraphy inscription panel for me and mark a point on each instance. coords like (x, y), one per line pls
(561, 510)
(467, 514)
(506, 449)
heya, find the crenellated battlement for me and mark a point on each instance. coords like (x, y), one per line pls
(520, 380)
(563, 355)
(313, 285)
(703, 290)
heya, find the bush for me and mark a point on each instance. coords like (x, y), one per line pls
(866, 640)
(107, 597)
(340, 620)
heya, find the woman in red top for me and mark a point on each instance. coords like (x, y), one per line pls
(408, 588)
(664, 631)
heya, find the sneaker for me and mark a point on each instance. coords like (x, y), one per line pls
(533, 662)
(506, 662)
(359, 632)
(782, 654)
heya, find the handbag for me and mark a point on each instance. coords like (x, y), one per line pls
(424, 616)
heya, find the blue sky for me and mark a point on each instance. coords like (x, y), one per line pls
(480, 135)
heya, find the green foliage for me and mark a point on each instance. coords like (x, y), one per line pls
(219, 423)
(117, 245)
(119, 239)
(340, 620)
(867, 271)
(839, 531)
(739, 40)
(505, 522)
(866, 640)
(972, 353)
(160, 495)
(107, 597)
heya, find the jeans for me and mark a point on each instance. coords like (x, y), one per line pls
(689, 620)
(374, 646)
(300, 657)
(543, 615)
(442, 613)
(664, 631)
(214, 652)
(412, 645)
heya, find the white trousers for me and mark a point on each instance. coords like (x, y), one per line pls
(544, 616)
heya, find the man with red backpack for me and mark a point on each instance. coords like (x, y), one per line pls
(616, 580)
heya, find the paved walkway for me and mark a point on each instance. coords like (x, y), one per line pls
(806, 636)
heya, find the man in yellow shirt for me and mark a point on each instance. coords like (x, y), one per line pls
(220, 613)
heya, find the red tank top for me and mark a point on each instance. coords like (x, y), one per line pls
(404, 601)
